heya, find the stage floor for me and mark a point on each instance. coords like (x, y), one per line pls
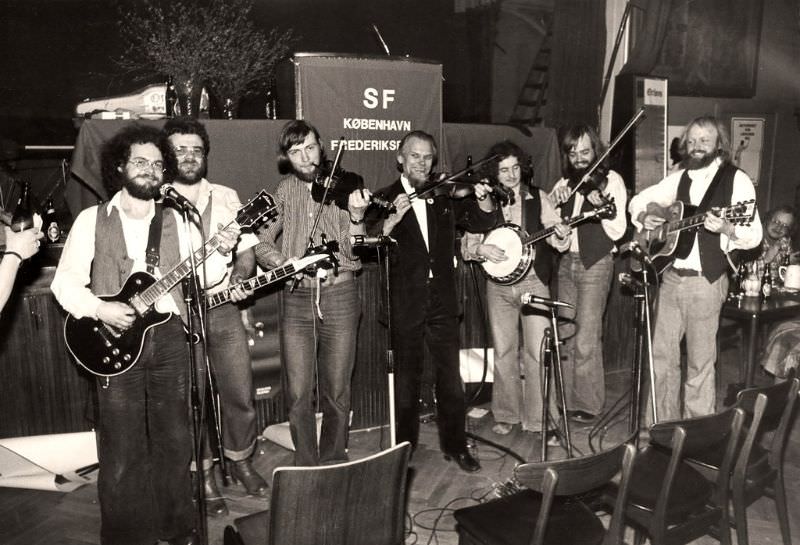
(437, 486)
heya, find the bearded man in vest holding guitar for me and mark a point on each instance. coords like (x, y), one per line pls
(143, 435)
(515, 401)
(694, 288)
(585, 271)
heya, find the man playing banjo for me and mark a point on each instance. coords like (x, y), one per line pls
(512, 401)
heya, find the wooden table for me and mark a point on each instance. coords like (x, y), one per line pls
(751, 313)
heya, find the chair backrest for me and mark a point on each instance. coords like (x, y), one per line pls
(354, 503)
(577, 475)
(691, 437)
(779, 401)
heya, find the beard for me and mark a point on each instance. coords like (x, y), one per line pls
(691, 162)
(576, 173)
(146, 191)
(307, 176)
(191, 172)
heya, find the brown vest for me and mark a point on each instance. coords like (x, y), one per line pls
(112, 266)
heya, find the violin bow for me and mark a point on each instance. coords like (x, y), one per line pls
(420, 194)
(628, 126)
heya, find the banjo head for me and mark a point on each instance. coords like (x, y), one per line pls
(508, 238)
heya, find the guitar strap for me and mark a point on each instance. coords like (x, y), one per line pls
(152, 255)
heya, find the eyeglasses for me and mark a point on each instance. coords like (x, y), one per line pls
(183, 151)
(142, 164)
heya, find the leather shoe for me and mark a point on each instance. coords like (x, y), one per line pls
(581, 416)
(215, 504)
(243, 472)
(465, 461)
(189, 539)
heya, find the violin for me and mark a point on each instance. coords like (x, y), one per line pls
(593, 180)
(440, 184)
(336, 184)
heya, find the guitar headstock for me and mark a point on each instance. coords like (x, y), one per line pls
(256, 211)
(741, 213)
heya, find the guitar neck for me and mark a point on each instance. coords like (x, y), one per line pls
(686, 223)
(171, 279)
(220, 298)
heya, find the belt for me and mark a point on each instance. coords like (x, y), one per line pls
(686, 272)
(331, 280)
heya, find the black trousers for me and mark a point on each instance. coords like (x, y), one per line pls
(437, 327)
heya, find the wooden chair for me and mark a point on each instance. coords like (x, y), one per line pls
(669, 500)
(354, 503)
(550, 512)
(759, 468)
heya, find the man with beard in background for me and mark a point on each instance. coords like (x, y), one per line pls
(143, 435)
(586, 270)
(319, 318)
(226, 338)
(694, 288)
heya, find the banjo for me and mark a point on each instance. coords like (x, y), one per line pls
(518, 245)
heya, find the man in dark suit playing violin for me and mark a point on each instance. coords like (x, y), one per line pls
(585, 271)
(695, 287)
(424, 309)
(320, 317)
(143, 434)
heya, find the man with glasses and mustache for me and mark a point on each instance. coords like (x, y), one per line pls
(143, 435)
(694, 288)
(226, 339)
(585, 271)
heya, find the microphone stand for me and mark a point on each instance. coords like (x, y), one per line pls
(552, 360)
(644, 338)
(192, 293)
(389, 349)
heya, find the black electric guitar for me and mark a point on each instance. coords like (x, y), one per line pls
(313, 258)
(107, 351)
(662, 242)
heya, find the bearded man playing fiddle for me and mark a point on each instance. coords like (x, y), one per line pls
(586, 269)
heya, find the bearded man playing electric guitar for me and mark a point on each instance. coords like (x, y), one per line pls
(694, 288)
(144, 442)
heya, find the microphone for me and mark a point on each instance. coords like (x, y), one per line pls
(362, 241)
(169, 192)
(531, 299)
(637, 251)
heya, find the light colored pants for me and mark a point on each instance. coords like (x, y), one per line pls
(687, 306)
(515, 400)
(587, 290)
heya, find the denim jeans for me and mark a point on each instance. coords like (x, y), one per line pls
(233, 377)
(436, 327)
(144, 444)
(323, 349)
(686, 306)
(587, 290)
(515, 400)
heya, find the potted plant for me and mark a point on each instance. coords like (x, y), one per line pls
(213, 43)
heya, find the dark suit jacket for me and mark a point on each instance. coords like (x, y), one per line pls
(410, 260)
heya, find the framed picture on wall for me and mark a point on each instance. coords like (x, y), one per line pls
(711, 48)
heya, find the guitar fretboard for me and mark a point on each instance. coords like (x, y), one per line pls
(222, 297)
(171, 279)
(544, 233)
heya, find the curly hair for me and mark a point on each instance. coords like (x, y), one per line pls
(504, 150)
(117, 151)
(188, 125)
